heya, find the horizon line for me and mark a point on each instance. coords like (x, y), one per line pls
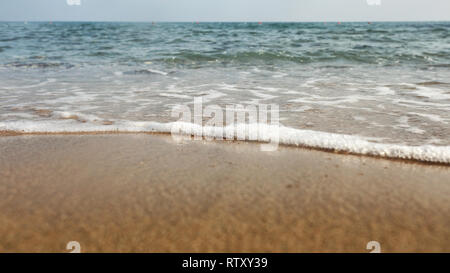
(206, 21)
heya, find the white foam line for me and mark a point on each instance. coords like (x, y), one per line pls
(158, 72)
(264, 133)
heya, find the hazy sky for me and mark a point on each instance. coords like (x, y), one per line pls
(224, 10)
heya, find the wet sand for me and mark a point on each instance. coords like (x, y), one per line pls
(145, 193)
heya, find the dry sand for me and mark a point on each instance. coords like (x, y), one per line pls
(145, 193)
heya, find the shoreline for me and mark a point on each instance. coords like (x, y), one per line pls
(145, 193)
(8, 133)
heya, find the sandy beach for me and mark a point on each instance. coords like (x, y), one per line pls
(146, 193)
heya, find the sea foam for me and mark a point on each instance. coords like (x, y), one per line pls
(255, 132)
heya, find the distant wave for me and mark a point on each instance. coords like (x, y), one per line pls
(146, 72)
(40, 65)
(361, 54)
(236, 43)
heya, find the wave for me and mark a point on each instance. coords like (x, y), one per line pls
(253, 132)
(232, 43)
(359, 54)
(40, 65)
(146, 72)
(440, 65)
(430, 83)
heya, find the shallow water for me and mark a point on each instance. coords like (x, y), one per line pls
(386, 83)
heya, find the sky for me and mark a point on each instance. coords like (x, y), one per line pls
(225, 10)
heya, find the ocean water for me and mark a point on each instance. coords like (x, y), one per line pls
(380, 88)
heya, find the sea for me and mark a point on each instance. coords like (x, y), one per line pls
(380, 88)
